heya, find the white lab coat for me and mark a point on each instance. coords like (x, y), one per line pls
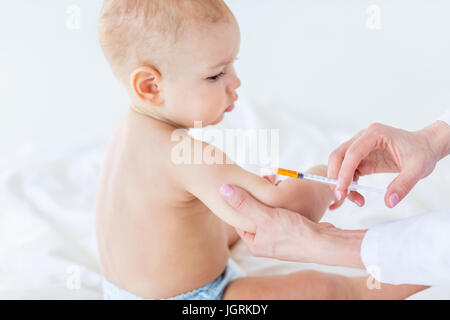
(415, 250)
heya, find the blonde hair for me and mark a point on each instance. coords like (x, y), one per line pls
(135, 32)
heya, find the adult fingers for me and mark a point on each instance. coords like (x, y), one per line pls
(326, 225)
(356, 152)
(337, 156)
(335, 205)
(356, 198)
(353, 196)
(402, 185)
(335, 163)
(247, 237)
(244, 203)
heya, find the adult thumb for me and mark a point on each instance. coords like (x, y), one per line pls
(401, 186)
(241, 201)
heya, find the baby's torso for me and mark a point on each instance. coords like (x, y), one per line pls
(155, 239)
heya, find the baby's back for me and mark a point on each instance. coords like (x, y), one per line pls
(155, 239)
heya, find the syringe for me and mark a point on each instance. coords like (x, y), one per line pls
(354, 186)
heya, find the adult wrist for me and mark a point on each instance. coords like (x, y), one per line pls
(340, 247)
(438, 138)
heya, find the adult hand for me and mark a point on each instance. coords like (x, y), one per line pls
(381, 148)
(287, 235)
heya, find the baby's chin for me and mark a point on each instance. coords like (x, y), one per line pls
(219, 119)
(208, 122)
(222, 115)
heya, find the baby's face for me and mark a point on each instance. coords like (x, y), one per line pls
(201, 82)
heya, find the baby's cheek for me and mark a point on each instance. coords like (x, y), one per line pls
(195, 112)
(204, 103)
(209, 114)
(207, 110)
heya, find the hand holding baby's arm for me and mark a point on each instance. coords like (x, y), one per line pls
(204, 181)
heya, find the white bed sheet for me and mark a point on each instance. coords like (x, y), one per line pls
(47, 236)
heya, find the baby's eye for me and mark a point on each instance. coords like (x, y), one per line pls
(217, 77)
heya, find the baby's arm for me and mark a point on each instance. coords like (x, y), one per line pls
(204, 181)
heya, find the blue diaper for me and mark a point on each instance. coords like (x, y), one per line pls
(211, 291)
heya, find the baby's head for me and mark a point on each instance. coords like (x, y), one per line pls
(175, 57)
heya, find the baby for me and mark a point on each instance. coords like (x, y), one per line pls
(163, 230)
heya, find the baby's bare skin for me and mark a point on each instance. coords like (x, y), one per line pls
(155, 239)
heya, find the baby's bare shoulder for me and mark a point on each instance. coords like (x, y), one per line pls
(152, 154)
(139, 147)
(149, 138)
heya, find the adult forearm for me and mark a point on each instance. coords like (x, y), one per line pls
(339, 247)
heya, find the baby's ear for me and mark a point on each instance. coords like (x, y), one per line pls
(146, 85)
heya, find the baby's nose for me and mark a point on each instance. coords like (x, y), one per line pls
(234, 85)
(238, 83)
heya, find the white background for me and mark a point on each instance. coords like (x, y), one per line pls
(316, 56)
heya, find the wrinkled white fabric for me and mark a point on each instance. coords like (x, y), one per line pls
(414, 250)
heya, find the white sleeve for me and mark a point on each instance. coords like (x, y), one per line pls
(415, 250)
(446, 117)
